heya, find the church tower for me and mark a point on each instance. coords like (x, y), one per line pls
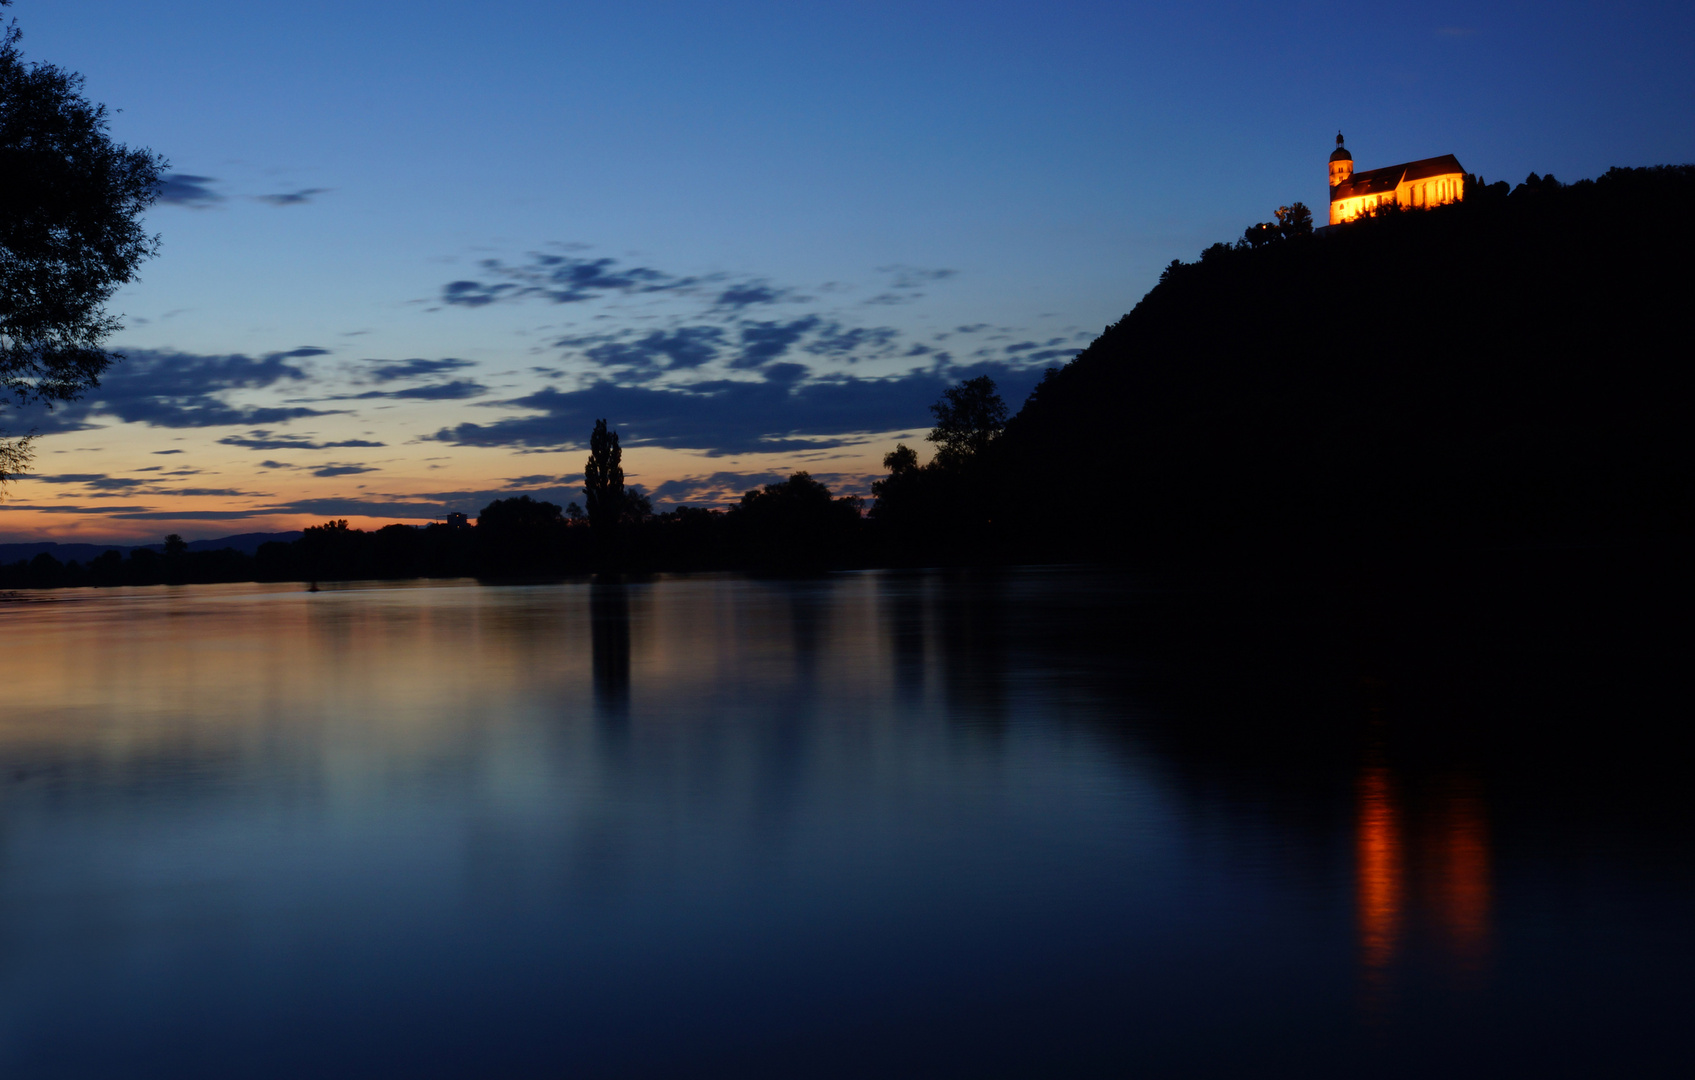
(1341, 163)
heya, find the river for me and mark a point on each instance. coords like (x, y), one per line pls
(873, 824)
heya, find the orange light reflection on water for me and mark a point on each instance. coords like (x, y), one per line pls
(1460, 883)
(1380, 893)
(1434, 850)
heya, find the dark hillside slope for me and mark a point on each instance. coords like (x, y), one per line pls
(1516, 368)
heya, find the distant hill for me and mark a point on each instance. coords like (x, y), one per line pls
(246, 543)
(1512, 369)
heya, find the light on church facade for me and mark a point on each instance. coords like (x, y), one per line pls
(1430, 182)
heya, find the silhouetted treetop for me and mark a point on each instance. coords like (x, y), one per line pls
(518, 514)
(603, 478)
(969, 417)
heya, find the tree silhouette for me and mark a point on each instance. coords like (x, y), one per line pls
(1294, 220)
(603, 479)
(71, 202)
(520, 534)
(795, 524)
(969, 417)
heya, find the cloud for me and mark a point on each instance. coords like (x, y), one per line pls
(763, 342)
(114, 511)
(448, 391)
(914, 277)
(726, 417)
(841, 342)
(185, 390)
(750, 294)
(416, 368)
(292, 198)
(103, 486)
(342, 470)
(563, 279)
(727, 488)
(264, 440)
(97, 481)
(1041, 356)
(426, 506)
(143, 514)
(683, 348)
(167, 451)
(184, 189)
(475, 293)
(747, 343)
(716, 489)
(785, 373)
(908, 283)
(205, 492)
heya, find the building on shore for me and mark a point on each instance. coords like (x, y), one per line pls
(1430, 182)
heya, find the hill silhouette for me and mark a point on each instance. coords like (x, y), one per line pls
(1505, 373)
(1510, 369)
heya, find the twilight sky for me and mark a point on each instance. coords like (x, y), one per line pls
(412, 250)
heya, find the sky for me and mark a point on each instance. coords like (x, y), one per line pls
(410, 252)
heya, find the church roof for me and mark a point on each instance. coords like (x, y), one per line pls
(1382, 181)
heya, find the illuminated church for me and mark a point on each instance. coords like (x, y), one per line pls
(1431, 182)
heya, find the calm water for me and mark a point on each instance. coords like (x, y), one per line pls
(874, 825)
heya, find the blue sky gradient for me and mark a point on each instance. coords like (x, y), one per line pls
(427, 243)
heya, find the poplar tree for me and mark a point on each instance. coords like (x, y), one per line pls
(603, 479)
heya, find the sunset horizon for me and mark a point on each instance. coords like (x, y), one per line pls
(385, 295)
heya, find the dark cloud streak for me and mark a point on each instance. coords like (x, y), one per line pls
(292, 198)
(727, 417)
(185, 189)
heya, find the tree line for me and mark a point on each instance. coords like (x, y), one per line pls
(1494, 371)
(792, 526)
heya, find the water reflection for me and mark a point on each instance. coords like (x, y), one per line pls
(609, 637)
(811, 613)
(714, 826)
(901, 602)
(1381, 892)
(972, 621)
(1460, 879)
(1444, 849)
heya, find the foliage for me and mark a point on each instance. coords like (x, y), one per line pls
(1489, 371)
(521, 534)
(795, 524)
(1294, 220)
(603, 479)
(71, 201)
(943, 511)
(969, 417)
(1513, 387)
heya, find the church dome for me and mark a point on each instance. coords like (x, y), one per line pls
(1341, 152)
